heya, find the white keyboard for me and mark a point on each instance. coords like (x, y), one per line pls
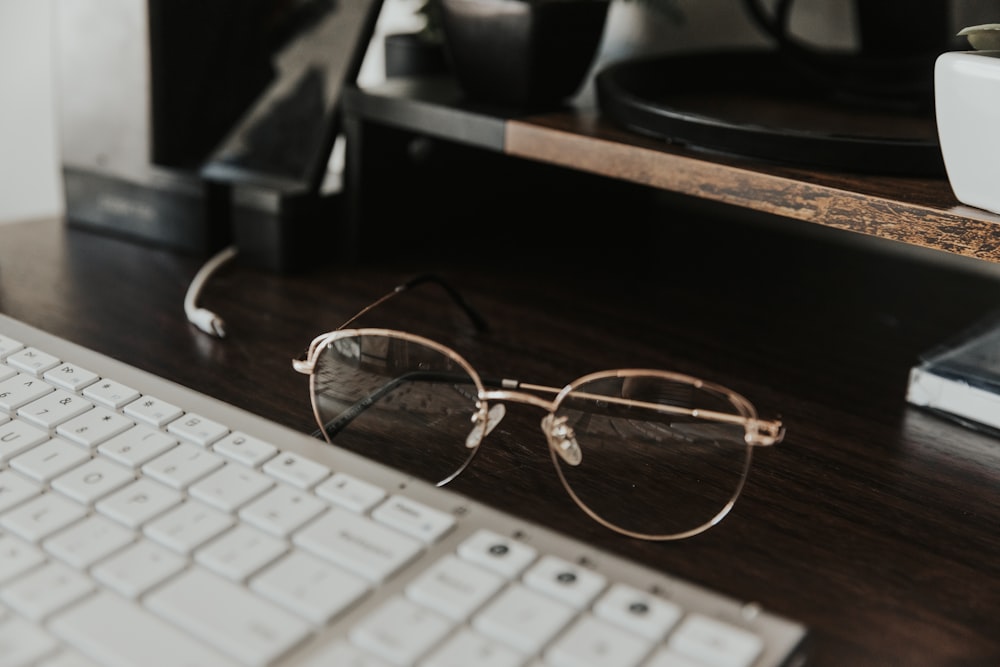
(143, 524)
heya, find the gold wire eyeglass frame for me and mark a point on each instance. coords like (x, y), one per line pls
(558, 434)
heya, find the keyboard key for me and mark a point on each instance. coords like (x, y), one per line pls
(113, 631)
(49, 459)
(240, 552)
(153, 411)
(245, 449)
(637, 611)
(54, 408)
(454, 587)
(400, 631)
(8, 346)
(15, 489)
(138, 568)
(183, 465)
(230, 487)
(93, 480)
(282, 510)
(17, 557)
(32, 361)
(591, 642)
(339, 652)
(94, 427)
(70, 376)
(415, 519)
(715, 643)
(350, 492)
(565, 581)
(21, 390)
(84, 543)
(664, 657)
(470, 648)
(187, 526)
(45, 590)
(358, 544)
(137, 445)
(110, 394)
(17, 436)
(40, 517)
(502, 555)
(309, 587)
(228, 617)
(197, 429)
(296, 470)
(523, 619)
(23, 643)
(137, 503)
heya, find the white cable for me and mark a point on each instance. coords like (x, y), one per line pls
(203, 318)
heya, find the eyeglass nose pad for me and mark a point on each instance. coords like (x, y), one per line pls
(493, 417)
(561, 439)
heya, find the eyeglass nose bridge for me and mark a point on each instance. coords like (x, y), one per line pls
(562, 439)
(558, 433)
(483, 422)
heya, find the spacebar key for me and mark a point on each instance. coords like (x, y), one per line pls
(117, 633)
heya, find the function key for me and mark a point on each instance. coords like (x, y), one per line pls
(565, 581)
(640, 612)
(502, 555)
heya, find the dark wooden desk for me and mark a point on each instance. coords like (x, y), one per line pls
(876, 525)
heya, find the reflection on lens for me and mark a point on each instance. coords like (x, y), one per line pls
(647, 466)
(398, 399)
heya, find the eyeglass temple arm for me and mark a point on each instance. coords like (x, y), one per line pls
(760, 432)
(477, 320)
(303, 365)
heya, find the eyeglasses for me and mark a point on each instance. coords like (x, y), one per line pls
(651, 454)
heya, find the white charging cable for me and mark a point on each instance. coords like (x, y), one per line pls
(203, 318)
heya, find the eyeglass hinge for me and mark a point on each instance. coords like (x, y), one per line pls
(303, 366)
(764, 433)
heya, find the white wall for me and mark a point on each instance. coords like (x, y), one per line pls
(30, 185)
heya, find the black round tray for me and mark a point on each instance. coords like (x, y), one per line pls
(764, 105)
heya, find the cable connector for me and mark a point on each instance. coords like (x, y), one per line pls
(203, 318)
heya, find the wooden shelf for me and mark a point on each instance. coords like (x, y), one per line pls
(918, 211)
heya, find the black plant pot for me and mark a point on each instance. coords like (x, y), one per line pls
(522, 54)
(412, 54)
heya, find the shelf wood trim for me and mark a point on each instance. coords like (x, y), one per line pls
(581, 143)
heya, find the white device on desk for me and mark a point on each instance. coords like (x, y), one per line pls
(967, 107)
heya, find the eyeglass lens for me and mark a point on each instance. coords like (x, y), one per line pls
(397, 401)
(648, 469)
